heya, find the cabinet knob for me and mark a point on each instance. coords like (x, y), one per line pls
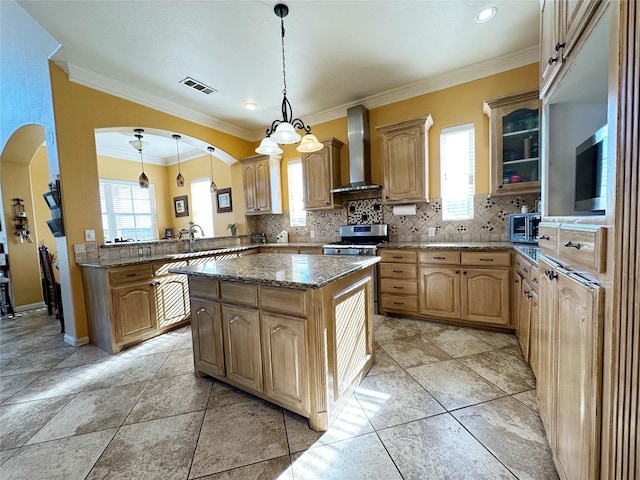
(464, 273)
(500, 186)
(552, 59)
(457, 272)
(559, 46)
(570, 244)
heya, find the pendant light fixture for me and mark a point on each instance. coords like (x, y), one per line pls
(284, 131)
(179, 178)
(139, 145)
(213, 187)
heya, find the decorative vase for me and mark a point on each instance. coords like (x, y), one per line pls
(233, 230)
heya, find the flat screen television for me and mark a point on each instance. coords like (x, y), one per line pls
(591, 175)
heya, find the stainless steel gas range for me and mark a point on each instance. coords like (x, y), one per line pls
(360, 240)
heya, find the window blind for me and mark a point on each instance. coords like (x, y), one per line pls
(457, 171)
(128, 211)
(297, 213)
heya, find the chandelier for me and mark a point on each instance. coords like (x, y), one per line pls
(139, 145)
(284, 131)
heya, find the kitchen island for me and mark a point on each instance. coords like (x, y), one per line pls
(295, 330)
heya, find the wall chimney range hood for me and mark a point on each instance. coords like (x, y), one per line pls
(359, 152)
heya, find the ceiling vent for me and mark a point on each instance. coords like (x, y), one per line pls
(196, 85)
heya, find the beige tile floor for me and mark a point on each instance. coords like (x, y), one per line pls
(441, 403)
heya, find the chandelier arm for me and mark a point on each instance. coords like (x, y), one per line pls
(274, 125)
(299, 124)
(287, 111)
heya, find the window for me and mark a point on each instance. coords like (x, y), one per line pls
(128, 211)
(202, 205)
(457, 172)
(297, 215)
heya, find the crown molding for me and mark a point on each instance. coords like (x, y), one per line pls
(99, 82)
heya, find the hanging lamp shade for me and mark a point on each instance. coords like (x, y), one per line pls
(286, 134)
(143, 180)
(179, 178)
(139, 145)
(268, 147)
(213, 188)
(309, 144)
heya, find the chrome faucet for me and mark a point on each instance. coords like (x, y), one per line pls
(191, 236)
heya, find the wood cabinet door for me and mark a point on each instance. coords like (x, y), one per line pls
(286, 365)
(524, 317)
(172, 299)
(485, 295)
(545, 385)
(263, 186)
(249, 187)
(534, 347)
(317, 174)
(135, 311)
(549, 37)
(577, 399)
(403, 165)
(206, 331)
(243, 358)
(575, 16)
(439, 291)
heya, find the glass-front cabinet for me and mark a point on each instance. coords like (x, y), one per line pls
(514, 140)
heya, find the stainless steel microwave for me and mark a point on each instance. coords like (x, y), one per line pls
(523, 227)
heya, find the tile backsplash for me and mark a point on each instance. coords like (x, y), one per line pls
(490, 222)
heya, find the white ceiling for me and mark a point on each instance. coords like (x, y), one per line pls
(338, 53)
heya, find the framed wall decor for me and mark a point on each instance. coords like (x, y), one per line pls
(223, 200)
(181, 206)
(168, 232)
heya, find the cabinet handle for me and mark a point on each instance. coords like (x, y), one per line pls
(398, 303)
(545, 237)
(486, 259)
(570, 244)
(439, 258)
(234, 319)
(464, 273)
(398, 287)
(154, 284)
(133, 274)
(551, 275)
(517, 281)
(517, 263)
(525, 270)
(500, 186)
(398, 256)
(552, 59)
(457, 272)
(529, 295)
(275, 329)
(534, 279)
(559, 46)
(398, 271)
(526, 292)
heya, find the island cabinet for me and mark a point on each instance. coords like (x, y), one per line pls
(471, 287)
(129, 304)
(303, 349)
(514, 139)
(405, 165)
(569, 379)
(261, 185)
(321, 174)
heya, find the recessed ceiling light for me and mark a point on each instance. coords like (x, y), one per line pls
(486, 14)
(250, 105)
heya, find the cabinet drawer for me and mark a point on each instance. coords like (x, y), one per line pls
(239, 293)
(487, 259)
(397, 286)
(523, 267)
(440, 257)
(405, 303)
(203, 288)
(391, 270)
(125, 275)
(311, 251)
(398, 256)
(287, 250)
(585, 246)
(548, 237)
(284, 300)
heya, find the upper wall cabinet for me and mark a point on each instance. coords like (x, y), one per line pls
(514, 130)
(261, 182)
(561, 23)
(321, 173)
(405, 164)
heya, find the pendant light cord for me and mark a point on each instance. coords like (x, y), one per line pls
(284, 70)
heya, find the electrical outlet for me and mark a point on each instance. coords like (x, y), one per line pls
(312, 234)
(89, 235)
(431, 232)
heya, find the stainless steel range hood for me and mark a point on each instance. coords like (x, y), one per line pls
(359, 152)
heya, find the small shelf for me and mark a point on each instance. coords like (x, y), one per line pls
(522, 160)
(520, 132)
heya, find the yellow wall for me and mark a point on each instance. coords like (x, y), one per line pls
(448, 107)
(79, 111)
(23, 257)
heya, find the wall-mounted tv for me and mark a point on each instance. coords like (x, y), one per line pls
(591, 175)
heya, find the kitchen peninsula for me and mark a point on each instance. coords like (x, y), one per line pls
(293, 329)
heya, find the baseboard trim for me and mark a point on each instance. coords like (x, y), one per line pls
(75, 342)
(31, 306)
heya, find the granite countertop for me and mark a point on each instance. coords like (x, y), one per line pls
(449, 245)
(281, 269)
